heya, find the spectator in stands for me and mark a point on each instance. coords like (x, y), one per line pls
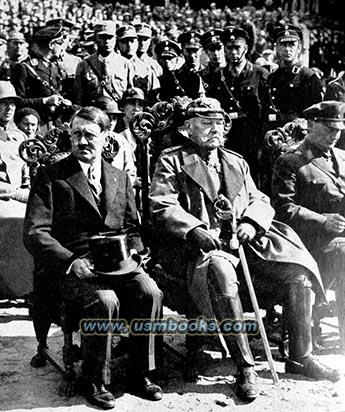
(28, 121)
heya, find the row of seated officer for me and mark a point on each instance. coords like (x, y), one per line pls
(71, 203)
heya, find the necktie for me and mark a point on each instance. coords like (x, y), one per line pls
(94, 184)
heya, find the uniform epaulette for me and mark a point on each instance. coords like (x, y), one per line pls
(232, 152)
(171, 149)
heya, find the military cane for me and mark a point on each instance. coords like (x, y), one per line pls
(224, 212)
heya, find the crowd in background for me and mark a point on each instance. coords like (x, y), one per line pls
(325, 37)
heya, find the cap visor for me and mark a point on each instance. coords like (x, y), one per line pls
(336, 125)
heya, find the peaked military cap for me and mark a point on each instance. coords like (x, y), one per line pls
(133, 93)
(125, 32)
(205, 107)
(167, 48)
(105, 27)
(330, 112)
(48, 34)
(60, 22)
(16, 35)
(143, 29)
(211, 37)
(190, 40)
(287, 32)
(232, 33)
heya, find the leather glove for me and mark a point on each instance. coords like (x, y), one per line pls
(201, 238)
(245, 232)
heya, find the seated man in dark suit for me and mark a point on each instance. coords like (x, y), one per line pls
(308, 193)
(71, 201)
(189, 182)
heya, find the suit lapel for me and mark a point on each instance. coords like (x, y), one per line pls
(196, 169)
(233, 178)
(77, 179)
(110, 182)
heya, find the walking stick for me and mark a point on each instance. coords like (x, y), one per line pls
(224, 211)
(255, 304)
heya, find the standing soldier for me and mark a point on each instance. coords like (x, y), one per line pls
(167, 52)
(104, 73)
(67, 62)
(143, 75)
(17, 47)
(212, 44)
(37, 79)
(292, 87)
(241, 88)
(188, 74)
(144, 33)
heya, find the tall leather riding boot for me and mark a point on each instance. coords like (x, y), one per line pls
(301, 359)
(230, 307)
(298, 311)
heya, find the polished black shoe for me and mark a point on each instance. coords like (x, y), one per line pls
(143, 387)
(312, 368)
(98, 395)
(246, 382)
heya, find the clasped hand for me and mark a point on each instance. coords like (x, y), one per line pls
(203, 239)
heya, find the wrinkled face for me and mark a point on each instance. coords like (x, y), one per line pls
(105, 44)
(7, 109)
(128, 47)
(29, 125)
(17, 49)
(216, 54)
(288, 51)
(322, 136)
(235, 51)
(192, 57)
(206, 133)
(143, 44)
(87, 140)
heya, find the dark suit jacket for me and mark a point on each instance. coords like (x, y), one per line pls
(303, 190)
(62, 213)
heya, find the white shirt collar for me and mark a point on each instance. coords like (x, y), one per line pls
(97, 169)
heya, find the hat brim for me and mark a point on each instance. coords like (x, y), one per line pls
(16, 98)
(335, 125)
(168, 54)
(125, 267)
(109, 33)
(127, 37)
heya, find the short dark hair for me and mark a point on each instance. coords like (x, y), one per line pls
(25, 111)
(95, 115)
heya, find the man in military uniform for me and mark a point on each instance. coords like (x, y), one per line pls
(143, 75)
(37, 80)
(167, 52)
(241, 88)
(214, 48)
(187, 182)
(189, 74)
(17, 47)
(144, 33)
(104, 73)
(308, 193)
(66, 61)
(292, 87)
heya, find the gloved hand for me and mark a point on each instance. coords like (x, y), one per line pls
(245, 232)
(201, 238)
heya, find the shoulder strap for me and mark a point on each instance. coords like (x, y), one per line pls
(37, 77)
(101, 80)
